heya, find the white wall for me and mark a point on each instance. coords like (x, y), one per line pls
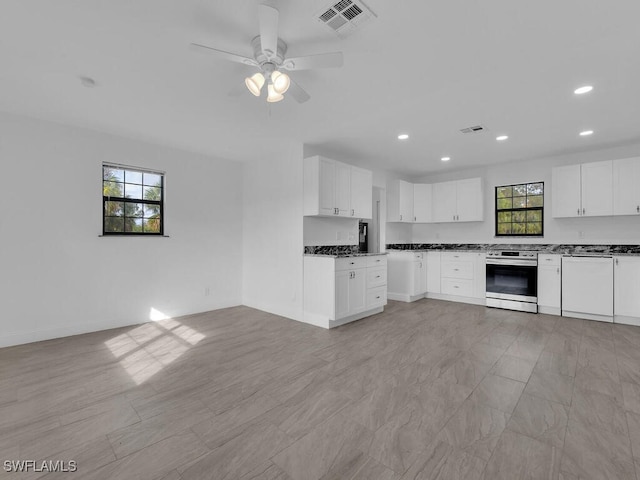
(58, 277)
(273, 233)
(588, 230)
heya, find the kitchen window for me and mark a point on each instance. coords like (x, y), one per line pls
(520, 210)
(132, 201)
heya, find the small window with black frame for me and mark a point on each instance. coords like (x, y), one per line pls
(132, 201)
(520, 210)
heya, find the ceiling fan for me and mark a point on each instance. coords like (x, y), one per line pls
(269, 56)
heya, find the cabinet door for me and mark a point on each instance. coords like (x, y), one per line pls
(433, 272)
(422, 203)
(343, 189)
(549, 285)
(469, 200)
(565, 188)
(342, 294)
(626, 194)
(361, 193)
(358, 291)
(597, 189)
(327, 172)
(626, 286)
(419, 278)
(444, 200)
(406, 201)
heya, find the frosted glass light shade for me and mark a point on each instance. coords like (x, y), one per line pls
(255, 83)
(273, 96)
(281, 82)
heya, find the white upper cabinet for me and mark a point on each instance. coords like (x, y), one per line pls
(399, 201)
(626, 194)
(336, 189)
(361, 193)
(422, 203)
(458, 201)
(582, 190)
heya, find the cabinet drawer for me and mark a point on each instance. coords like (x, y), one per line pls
(545, 259)
(376, 277)
(377, 261)
(455, 286)
(376, 297)
(350, 263)
(457, 269)
(457, 256)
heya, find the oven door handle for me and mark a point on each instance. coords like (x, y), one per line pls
(512, 262)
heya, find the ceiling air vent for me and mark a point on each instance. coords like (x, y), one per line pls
(345, 16)
(474, 129)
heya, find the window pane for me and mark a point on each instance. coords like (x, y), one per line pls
(133, 209)
(112, 189)
(534, 216)
(519, 229)
(132, 191)
(151, 211)
(132, 177)
(519, 202)
(520, 217)
(503, 192)
(152, 225)
(535, 189)
(152, 193)
(504, 203)
(113, 224)
(113, 209)
(504, 217)
(534, 201)
(519, 190)
(133, 225)
(534, 228)
(112, 174)
(152, 179)
(504, 228)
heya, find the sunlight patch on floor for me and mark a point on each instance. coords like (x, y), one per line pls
(145, 350)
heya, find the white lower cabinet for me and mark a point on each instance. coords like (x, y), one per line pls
(340, 290)
(407, 275)
(433, 260)
(626, 292)
(549, 283)
(462, 277)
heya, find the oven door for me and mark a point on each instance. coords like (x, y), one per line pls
(512, 281)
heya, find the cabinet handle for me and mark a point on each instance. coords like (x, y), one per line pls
(583, 211)
(454, 218)
(377, 276)
(548, 259)
(638, 209)
(378, 260)
(558, 270)
(378, 296)
(352, 212)
(414, 219)
(400, 217)
(456, 286)
(352, 263)
(616, 261)
(420, 264)
(578, 211)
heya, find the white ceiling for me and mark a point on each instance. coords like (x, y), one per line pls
(427, 68)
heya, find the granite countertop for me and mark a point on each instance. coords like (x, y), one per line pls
(344, 255)
(561, 249)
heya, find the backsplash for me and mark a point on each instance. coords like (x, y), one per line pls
(331, 250)
(560, 248)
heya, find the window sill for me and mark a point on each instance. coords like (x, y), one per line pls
(133, 236)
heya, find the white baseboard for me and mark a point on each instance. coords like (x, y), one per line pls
(549, 310)
(353, 318)
(587, 316)
(456, 298)
(404, 297)
(623, 319)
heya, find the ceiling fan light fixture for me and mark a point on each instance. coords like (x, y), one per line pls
(280, 81)
(273, 96)
(255, 83)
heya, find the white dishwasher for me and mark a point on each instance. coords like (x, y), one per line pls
(587, 287)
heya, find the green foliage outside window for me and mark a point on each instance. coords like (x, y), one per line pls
(520, 210)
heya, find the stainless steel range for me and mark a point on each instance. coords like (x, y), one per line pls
(512, 280)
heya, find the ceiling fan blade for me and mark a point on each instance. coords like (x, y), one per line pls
(298, 93)
(268, 30)
(196, 47)
(323, 60)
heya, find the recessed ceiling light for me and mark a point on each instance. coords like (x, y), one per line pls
(581, 90)
(502, 138)
(586, 133)
(445, 159)
(403, 136)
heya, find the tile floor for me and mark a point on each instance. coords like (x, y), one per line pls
(428, 390)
